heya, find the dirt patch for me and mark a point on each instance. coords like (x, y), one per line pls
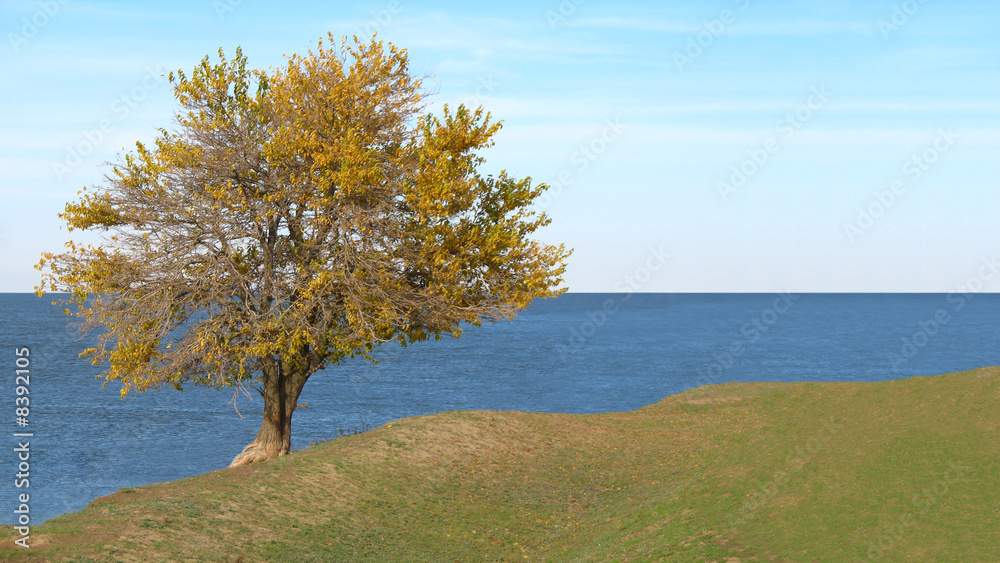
(712, 400)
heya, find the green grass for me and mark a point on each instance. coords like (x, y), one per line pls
(903, 470)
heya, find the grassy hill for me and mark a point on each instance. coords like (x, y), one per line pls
(904, 470)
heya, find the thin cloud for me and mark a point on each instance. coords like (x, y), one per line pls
(564, 108)
(807, 27)
(106, 11)
(471, 34)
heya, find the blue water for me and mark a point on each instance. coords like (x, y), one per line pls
(580, 353)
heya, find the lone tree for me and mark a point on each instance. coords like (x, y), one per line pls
(296, 217)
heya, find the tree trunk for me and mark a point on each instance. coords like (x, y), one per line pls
(282, 386)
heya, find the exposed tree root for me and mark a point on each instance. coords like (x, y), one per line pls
(254, 453)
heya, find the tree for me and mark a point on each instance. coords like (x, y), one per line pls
(296, 217)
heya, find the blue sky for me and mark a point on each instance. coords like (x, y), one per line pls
(743, 146)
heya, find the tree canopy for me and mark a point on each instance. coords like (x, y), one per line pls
(292, 218)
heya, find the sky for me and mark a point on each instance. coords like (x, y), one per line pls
(720, 146)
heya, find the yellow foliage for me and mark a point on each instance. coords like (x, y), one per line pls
(298, 216)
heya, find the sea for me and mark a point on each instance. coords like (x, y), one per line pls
(578, 353)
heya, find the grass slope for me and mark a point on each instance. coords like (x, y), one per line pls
(903, 470)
